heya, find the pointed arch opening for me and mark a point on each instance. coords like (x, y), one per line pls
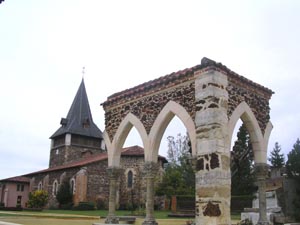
(245, 114)
(124, 129)
(164, 118)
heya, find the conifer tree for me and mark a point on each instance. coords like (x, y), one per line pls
(293, 162)
(293, 171)
(242, 180)
(276, 159)
(64, 195)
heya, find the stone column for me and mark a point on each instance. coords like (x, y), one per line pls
(213, 178)
(113, 175)
(150, 170)
(261, 172)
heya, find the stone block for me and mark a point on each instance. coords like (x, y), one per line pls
(209, 92)
(211, 116)
(208, 146)
(213, 178)
(211, 76)
(207, 192)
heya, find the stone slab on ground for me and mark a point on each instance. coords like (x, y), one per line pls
(7, 223)
(254, 216)
(110, 224)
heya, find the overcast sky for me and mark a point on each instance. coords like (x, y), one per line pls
(45, 44)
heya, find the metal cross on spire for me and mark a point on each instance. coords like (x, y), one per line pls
(83, 72)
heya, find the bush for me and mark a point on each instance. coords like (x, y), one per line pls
(38, 199)
(10, 208)
(66, 206)
(101, 204)
(85, 206)
(238, 203)
(64, 194)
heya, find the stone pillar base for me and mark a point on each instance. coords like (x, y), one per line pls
(112, 220)
(263, 223)
(150, 222)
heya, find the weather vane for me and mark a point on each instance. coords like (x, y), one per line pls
(83, 71)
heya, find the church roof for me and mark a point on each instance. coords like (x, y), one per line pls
(79, 119)
(129, 151)
(18, 179)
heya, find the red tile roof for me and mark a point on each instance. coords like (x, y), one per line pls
(133, 151)
(129, 151)
(206, 64)
(20, 179)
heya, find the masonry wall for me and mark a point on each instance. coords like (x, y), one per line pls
(135, 196)
(148, 104)
(97, 182)
(80, 147)
(257, 99)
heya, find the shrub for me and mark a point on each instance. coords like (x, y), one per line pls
(85, 206)
(238, 203)
(101, 203)
(66, 206)
(64, 194)
(37, 199)
(10, 208)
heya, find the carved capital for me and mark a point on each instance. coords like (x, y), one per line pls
(114, 172)
(150, 169)
(261, 171)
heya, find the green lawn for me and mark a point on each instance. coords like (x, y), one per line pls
(90, 213)
(72, 217)
(94, 213)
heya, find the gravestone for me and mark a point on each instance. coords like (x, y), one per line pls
(273, 209)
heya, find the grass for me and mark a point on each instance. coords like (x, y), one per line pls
(162, 214)
(72, 217)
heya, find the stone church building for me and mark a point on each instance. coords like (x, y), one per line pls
(78, 155)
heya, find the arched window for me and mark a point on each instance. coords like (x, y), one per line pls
(40, 186)
(72, 185)
(55, 187)
(129, 179)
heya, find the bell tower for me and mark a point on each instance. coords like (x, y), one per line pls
(78, 136)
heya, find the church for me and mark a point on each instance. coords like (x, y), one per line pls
(78, 155)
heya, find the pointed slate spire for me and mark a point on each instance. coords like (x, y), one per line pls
(79, 119)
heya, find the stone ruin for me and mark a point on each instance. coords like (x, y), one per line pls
(209, 99)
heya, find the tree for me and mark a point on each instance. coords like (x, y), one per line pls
(293, 171)
(64, 194)
(178, 149)
(38, 199)
(242, 180)
(276, 159)
(179, 176)
(293, 162)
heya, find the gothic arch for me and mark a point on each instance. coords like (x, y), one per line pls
(170, 110)
(258, 140)
(209, 99)
(114, 147)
